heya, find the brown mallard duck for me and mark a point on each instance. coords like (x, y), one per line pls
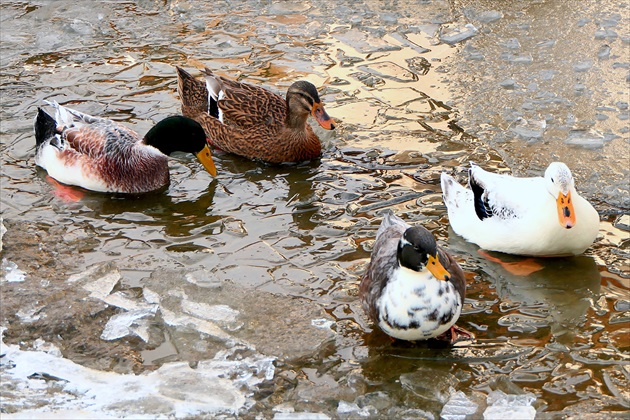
(102, 155)
(413, 289)
(250, 121)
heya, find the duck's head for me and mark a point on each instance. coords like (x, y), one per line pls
(181, 134)
(303, 99)
(417, 251)
(560, 185)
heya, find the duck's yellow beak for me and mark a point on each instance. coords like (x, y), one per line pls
(205, 157)
(566, 214)
(319, 113)
(437, 269)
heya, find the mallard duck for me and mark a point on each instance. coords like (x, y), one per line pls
(540, 216)
(101, 155)
(412, 289)
(250, 121)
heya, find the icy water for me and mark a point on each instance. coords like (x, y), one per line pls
(238, 296)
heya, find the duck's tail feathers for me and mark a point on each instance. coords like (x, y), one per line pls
(192, 92)
(66, 117)
(449, 189)
(390, 219)
(45, 128)
(62, 115)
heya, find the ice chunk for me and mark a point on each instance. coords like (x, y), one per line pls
(352, 410)
(12, 273)
(458, 407)
(363, 42)
(322, 323)
(512, 44)
(582, 66)
(99, 279)
(175, 390)
(41, 345)
(489, 16)
(432, 385)
(347, 408)
(604, 52)
(530, 129)
(206, 327)
(508, 406)
(586, 139)
(222, 313)
(459, 35)
(127, 323)
(472, 53)
(508, 84)
(3, 230)
(300, 416)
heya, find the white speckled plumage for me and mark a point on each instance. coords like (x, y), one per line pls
(410, 304)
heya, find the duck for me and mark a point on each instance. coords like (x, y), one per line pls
(412, 289)
(102, 155)
(251, 121)
(534, 216)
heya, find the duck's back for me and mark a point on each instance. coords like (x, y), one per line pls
(104, 156)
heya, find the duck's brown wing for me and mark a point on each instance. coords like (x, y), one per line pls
(458, 278)
(252, 143)
(248, 106)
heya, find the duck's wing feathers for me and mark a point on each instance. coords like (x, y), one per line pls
(246, 106)
(458, 278)
(497, 195)
(382, 263)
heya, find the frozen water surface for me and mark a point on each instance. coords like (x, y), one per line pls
(238, 296)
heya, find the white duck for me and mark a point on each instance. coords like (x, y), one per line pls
(537, 216)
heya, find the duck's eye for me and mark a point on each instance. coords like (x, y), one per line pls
(552, 180)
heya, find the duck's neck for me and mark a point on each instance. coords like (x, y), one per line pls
(296, 122)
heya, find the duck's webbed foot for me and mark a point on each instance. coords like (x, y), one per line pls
(456, 334)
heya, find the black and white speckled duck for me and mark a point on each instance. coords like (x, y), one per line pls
(413, 289)
(101, 155)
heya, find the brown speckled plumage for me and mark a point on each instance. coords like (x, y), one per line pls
(257, 124)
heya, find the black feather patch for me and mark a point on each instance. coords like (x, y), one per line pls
(482, 207)
(45, 127)
(214, 108)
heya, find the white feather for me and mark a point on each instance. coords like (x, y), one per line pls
(399, 297)
(530, 225)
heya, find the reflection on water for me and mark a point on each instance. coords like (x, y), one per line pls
(557, 327)
(537, 292)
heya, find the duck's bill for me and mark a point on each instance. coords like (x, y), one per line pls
(205, 157)
(566, 214)
(437, 269)
(322, 117)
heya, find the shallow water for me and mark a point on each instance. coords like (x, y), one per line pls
(416, 92)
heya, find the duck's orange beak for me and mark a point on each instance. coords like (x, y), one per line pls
(322, 117)
(205, 157)
(566, 214)
(437, 269)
